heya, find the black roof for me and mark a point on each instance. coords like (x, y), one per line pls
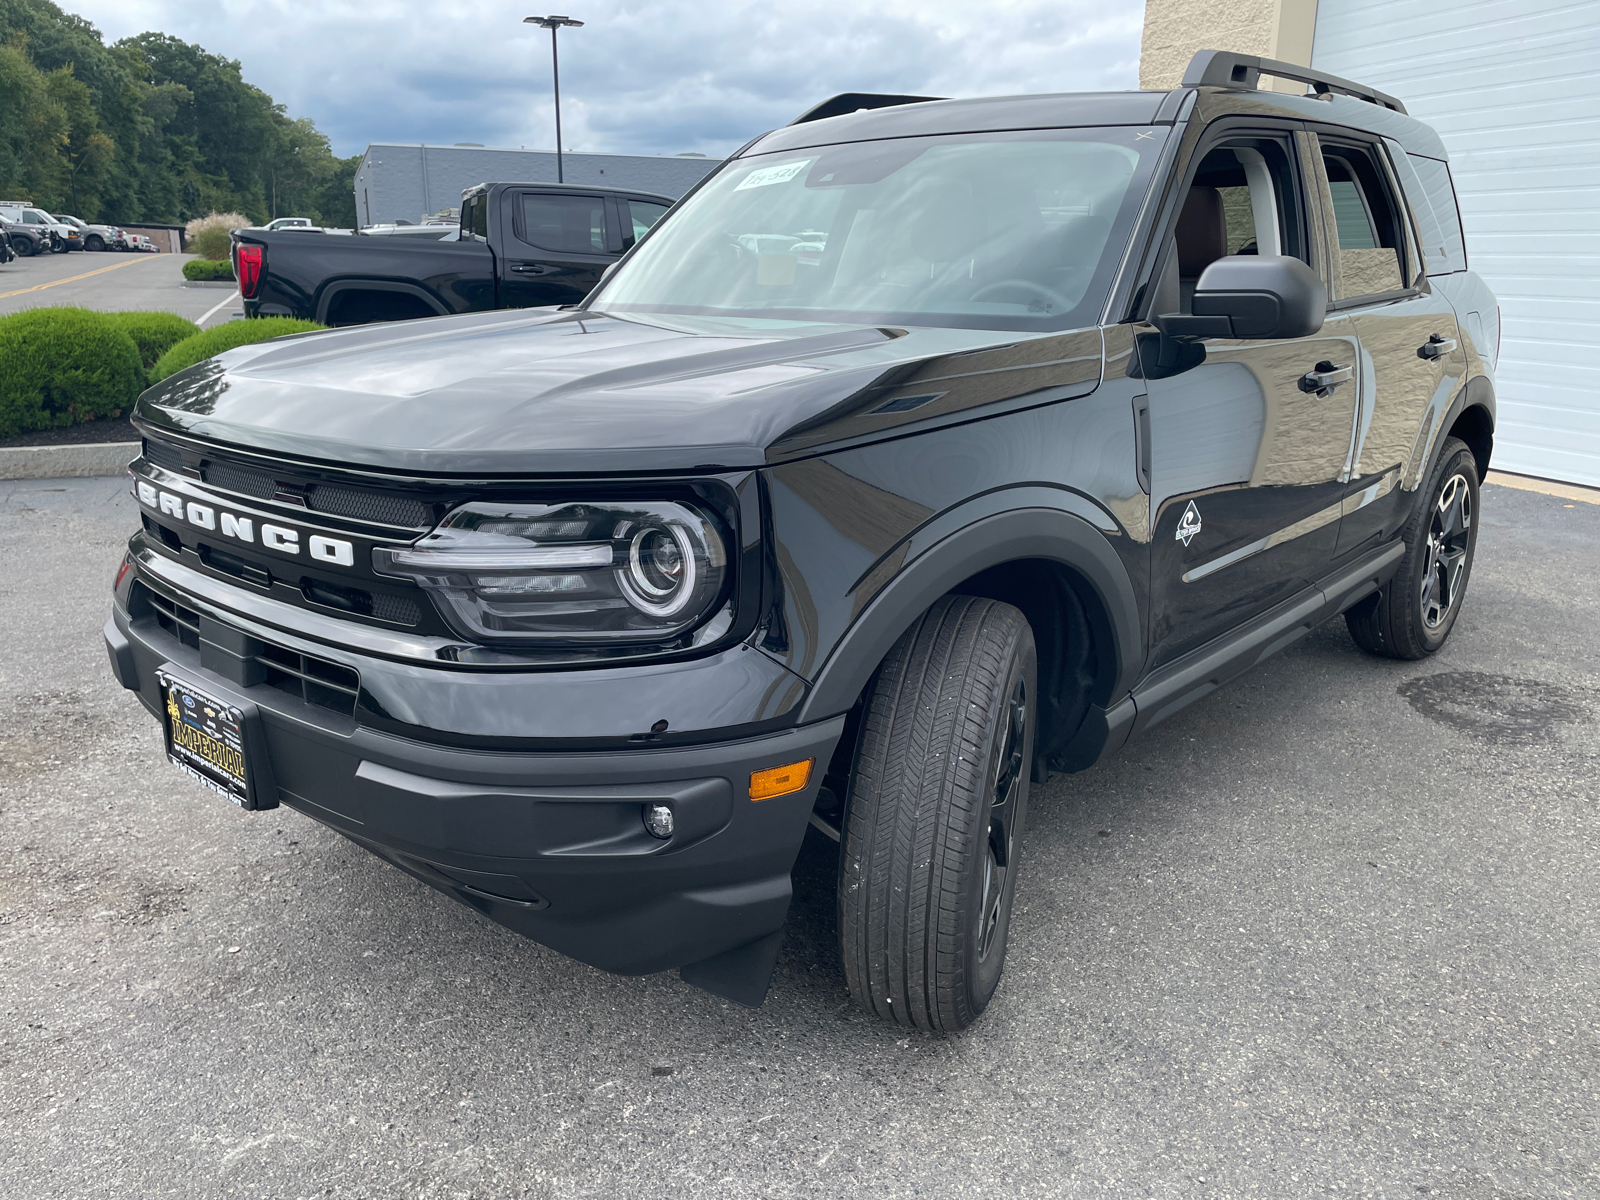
(977, 116)
(1223, 80)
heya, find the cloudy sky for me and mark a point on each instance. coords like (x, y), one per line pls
(651, 78)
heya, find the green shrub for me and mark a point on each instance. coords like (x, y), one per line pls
(60, 366)
(205, 269)
(153, 332)
(211, 243)
(225, 337)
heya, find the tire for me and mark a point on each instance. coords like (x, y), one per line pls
(1411, 616)
(934, 815)
(94, 243)
(24, 246)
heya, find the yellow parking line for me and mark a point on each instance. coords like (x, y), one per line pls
(74, 279)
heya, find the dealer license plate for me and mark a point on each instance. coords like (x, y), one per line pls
(205, 740)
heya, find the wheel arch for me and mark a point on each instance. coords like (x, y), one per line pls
(1472, 418)
(1040, 559)
(342, 288)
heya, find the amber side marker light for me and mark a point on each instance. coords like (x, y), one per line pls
(780, 781)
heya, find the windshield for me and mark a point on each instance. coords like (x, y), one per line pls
(1016, 230)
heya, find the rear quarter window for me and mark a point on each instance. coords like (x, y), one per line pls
(1432, 196)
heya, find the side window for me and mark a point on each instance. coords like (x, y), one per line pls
(564, 224)
(475, 217)
(1241, 200)
(643, 215)
(1366, 235)
(1427, 185)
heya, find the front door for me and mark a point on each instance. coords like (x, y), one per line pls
(555, 247)
(1246, 466)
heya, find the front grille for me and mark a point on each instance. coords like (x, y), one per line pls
(332, 498)
(306, 677)
(237, 479)
(164, 456)
(263, 483)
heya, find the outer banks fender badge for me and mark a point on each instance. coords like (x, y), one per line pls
(1189, 524)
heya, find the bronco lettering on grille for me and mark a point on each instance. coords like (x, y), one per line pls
(281, 538)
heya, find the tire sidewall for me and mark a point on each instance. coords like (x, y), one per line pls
(983, 976)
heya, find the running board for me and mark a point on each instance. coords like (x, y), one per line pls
(1203, 671)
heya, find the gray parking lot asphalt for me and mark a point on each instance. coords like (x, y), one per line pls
(110, 282)
(1333, 931)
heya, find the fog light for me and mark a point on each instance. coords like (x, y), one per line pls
(658, 820)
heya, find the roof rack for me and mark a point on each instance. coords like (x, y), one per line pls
(1225, 69)
(849, 102)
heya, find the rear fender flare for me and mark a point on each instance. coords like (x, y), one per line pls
(1023, 533)
(1477, 392)
(338, 287)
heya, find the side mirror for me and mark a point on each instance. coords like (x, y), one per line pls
(1261, 296)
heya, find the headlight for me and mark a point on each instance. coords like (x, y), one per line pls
(603, 572)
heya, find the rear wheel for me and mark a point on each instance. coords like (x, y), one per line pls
(1411, 616)
(933, 827)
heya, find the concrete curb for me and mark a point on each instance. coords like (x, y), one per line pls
(227, 283)
(66, 462)
(1549, 487)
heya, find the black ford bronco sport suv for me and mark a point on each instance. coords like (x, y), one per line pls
(926, 448)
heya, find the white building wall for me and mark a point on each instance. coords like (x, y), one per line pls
(1513, 87)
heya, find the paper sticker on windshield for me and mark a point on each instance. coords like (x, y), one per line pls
(767, 176)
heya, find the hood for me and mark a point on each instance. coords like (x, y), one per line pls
(541, 392)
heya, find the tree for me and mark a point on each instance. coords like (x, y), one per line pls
(151, 128)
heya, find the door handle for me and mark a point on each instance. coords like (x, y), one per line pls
(1325, 378)
(531, 269)
(1436, 347)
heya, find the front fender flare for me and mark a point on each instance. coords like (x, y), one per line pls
(1037, 533)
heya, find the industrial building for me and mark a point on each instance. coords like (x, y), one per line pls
(400, 181)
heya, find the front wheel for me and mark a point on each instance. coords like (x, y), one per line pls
(1411, 616)
(24, 247)
(94, 243)
(935, 812)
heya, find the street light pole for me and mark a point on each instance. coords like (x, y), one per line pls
(553, 23)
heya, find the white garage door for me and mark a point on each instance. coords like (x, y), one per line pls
(1513, 87)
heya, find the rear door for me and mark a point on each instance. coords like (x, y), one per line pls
(1409, 338)
(1246, 467)
(555, 246)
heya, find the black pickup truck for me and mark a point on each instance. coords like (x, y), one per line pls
(521, 245)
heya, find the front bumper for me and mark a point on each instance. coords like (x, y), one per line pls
(548, 843)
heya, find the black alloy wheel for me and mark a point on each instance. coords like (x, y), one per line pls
(1004, 793)
(94, 242)
(24, 246)
(1411, 616)
(935, 813)
(1444, 571)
